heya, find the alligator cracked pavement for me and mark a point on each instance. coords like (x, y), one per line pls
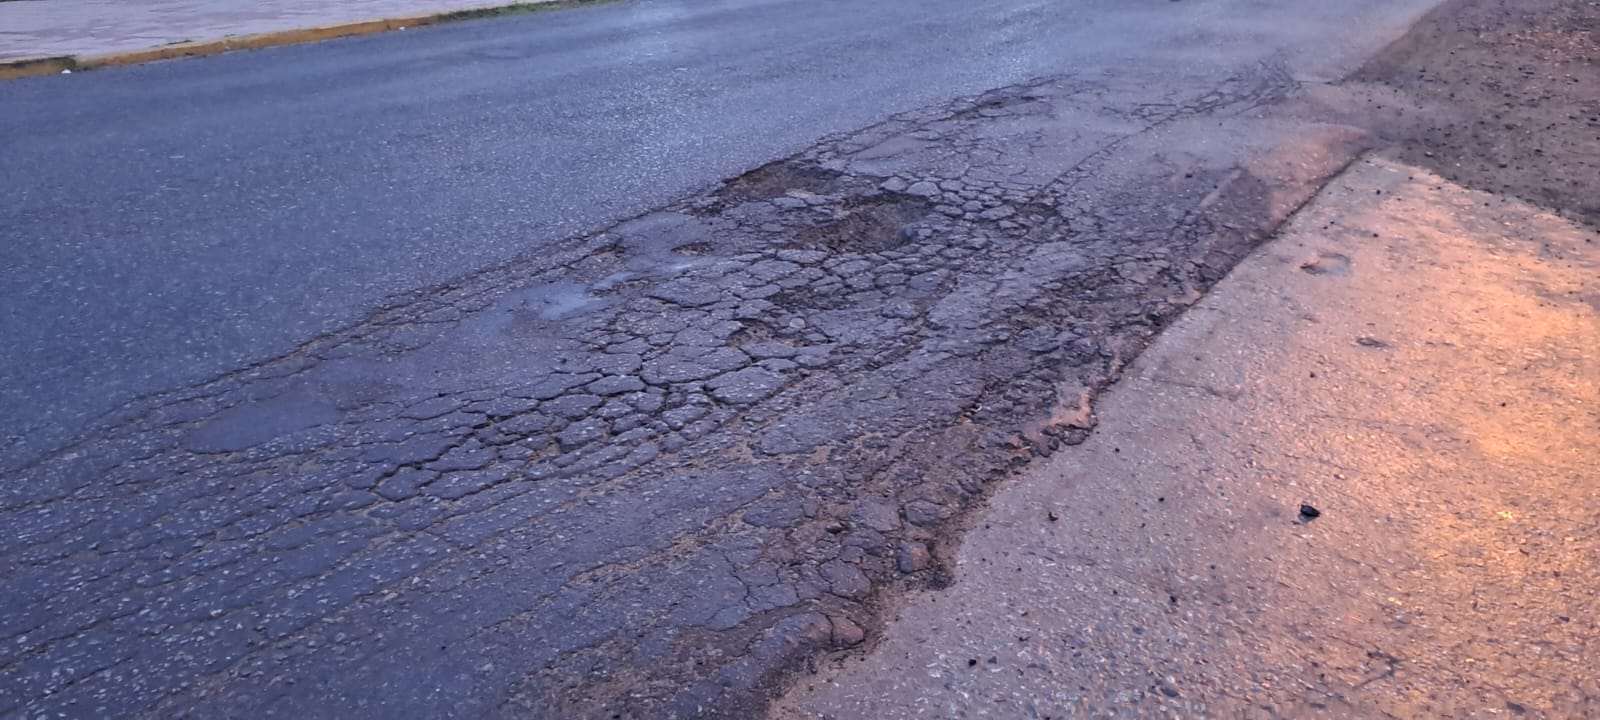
(649, 474)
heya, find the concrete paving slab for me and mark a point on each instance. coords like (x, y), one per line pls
(1359, 479)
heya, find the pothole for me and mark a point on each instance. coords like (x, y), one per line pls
(750, 334)
(778, 178)
(999, 103)
(872, 225)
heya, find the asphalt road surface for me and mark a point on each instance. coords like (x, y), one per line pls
(168, 223)
(332, 385)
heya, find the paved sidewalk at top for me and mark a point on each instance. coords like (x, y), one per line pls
(89, 28)
(1414, 360)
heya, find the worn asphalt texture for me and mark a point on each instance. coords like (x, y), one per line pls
(172, 222)
(624, 469)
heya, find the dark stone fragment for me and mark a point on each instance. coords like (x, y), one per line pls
(913, 557)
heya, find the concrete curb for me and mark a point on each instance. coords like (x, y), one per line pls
(26, 67)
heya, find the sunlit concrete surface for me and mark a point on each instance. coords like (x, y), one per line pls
(1418, 362)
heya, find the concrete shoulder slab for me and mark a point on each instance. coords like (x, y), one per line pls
(1358, 480)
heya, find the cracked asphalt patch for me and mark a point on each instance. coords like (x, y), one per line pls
(650, 474)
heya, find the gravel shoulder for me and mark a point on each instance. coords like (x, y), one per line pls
(1498, 96)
